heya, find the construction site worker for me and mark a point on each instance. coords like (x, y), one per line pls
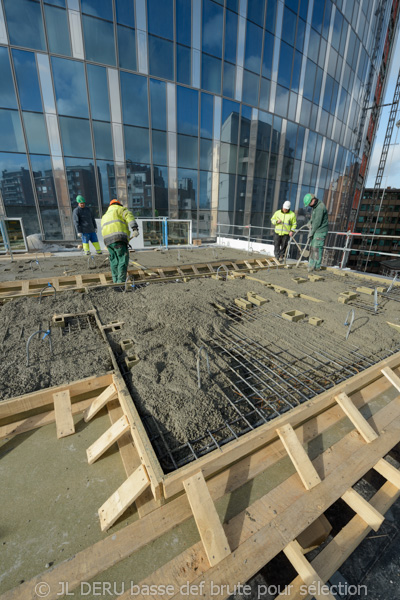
(115, 225)
(318, 230)
(285, 225)
(85, 225)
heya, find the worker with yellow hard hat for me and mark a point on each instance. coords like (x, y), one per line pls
(115, 226)
(285, 224)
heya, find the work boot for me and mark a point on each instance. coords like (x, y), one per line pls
(87, 253)
(99, 252)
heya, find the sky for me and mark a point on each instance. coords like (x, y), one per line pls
(391, 175)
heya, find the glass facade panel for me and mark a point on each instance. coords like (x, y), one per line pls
(183, 64)
(183, 20)
(251, 85)
(134, 99)
(102, 140)
(99, 40)
(7, 91)
(206, 154)
(229, 80)
(98, 92)
(46, 195)
(70, 87)
(206, 125)
(231, 26)
(187, 111)
(161, 191)
(213, 23)
(125, 12)
(98, 8)
(139, 189)
(106, 178)
(252, 56)
(126, 48)
(187, 193)
(211, 74)
(137, 149)
(159, 141)
(25, 24)
(11, 138)
(81, 180)
(27, 80)
(187, 151)
(57, 30)
(205, 190)
(161, 57)
(158, 104)
(75, 137)
(36, 133)
(160, 18)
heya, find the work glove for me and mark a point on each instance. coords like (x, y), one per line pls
(79, 235)
(134, 229)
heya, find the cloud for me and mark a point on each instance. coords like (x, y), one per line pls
(391, 174)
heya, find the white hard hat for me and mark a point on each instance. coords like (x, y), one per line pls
(286, 205)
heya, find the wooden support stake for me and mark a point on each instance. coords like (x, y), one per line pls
(125, 495)
(298, 456)
(361, 424)
(384, 468)
(392, 377)
(212, 533)
(108, 438)
(307, 572)
(364, 509)
(109, 394)
(63, 413)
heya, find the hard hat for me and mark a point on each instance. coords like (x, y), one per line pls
(286, 205)
(80, 199)
(114, 201)
(308, 198)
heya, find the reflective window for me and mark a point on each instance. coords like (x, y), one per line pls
(159, 140)
(160, 18)
(282, 101)
(7, 92)
(183, 64)
(75, 137)
(158, 104)
(125, 12)
(102, 140)
(187, 110)
(16, 190)
(228, 158)
(11, 138)
(99, 40)
(303, 9)
(261, 164)
(106, 177)
(183, 20)
(98, 8)
(206, 154)
(187, 151)
(226, 199)
(25, 23)
(206, 124)
(161, 191)
(289, 25)
(46, 195)
(211, 74)
(264, 130)
(98, 92)
(81, 180)
(213, 24)
(264, 93)
(233, 5)
(36, 133)
(137, 149)
(56, 2)
(271, 15)
(267, 55)
(230, 121)
(205, 190)
(229, 80)
(134, 99)
(255, 11)
(285, 64)
(301, 30)
(187, 193)
(296, 71)
(126, 48)
(57, 30)
(252, 60)
(139, 189)
(231, 25)
(318, 15)
(70, 87)
(245, 126)
(161, 58)
(251, 84)
(258, 198)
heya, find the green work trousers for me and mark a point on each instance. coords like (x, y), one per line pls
(316, 251)
(119, 260)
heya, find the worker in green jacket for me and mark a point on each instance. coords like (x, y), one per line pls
(115, 226)
(318, 230)
(285, 225)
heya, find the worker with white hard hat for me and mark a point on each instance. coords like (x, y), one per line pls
(285, 225)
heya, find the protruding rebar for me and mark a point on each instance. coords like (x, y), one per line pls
(349, 323)
(129, 278)
(36, 262)
(49, 285)
(91, 260)
(226, 271)
(47, 334)
(198, 364)
(392, 284)
(376, 300)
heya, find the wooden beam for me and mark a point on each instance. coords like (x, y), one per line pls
(384, 468)
(298, 456)
(392, 377)
(207, 520)
(63, 413)
(108, 438)
(307, 572)
(363, 508)
(123, 497)
(361, 424)
(109, 394)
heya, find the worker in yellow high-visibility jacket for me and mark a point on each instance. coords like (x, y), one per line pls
(115, 226)
(285, 225)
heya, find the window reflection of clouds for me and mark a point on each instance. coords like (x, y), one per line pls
(212, 28)
(134, 99)
(99, 40)
(158, 104)
(7, 92)
(70, 87)
(25, 24)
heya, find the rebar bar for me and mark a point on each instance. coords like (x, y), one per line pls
(198, 364)
(91, 260)
(349, 323)
(47, 334)
(49, 285)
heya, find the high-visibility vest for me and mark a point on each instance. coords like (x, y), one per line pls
(288, 222)
(114, 224)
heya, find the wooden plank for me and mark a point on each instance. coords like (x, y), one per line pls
(392, 377)
(25, 286)
(63, 413)
(207, 520)
(362, 426)
(109, 394)
(298, 456)
(384, 468)
(78, 280)
(363, 508)
(123, 497)
(218, 459)
(103, 279)
(108, 438)
(306, 571)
